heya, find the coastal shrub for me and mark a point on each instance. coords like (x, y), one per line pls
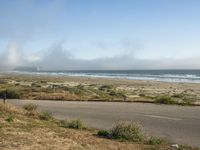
(188, 101)
(142, 95)
(35, 89)
(1, 113)
(30, 107)
(117, 94)
(75, 90)
(11, 93)
(43, 81)
(35, 84)
(78, 91)
(106, 87)
(31, 110)
(69, 89)
(103, 133)
(63, 123)
(101, 94)
(17, 84)
(10, 118)
(32, 114)
(154, 141)
(46, 116)
(81, 87)
(2, 81)
(75, 124)
(127, 131)
(178, 95)
(165, 100)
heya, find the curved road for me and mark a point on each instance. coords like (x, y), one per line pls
(178, 124)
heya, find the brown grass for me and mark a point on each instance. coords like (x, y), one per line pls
(29, 133)
(8, 108)
(55, 96)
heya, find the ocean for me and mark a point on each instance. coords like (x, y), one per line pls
(190, 76)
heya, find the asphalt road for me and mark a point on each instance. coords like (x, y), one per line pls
(178, 124)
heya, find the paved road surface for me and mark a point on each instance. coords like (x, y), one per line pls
(176, 123)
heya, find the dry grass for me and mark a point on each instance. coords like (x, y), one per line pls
(55, 96)
(30, 133)
(44, 137)
(8, 108)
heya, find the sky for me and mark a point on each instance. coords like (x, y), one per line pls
(100, 34)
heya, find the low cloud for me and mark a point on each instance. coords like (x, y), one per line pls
(58, 58)
(12, 57)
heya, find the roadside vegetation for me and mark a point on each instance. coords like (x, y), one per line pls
(175, 99)
(54, 89)
(47, 116)
(130, 131)
(165, 100)
(75, 124)
(127, 131)
(20, 130)
(30, 107)
(58, 91)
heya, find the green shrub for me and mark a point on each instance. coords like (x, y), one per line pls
(81, 87)
(10, 118)
(106, 87)
(31, 110)
(46, 116)
(103, 133)
(154, 141)
(142, 95)
(188, 101)
(11, 93)
(33, 114)
(34, 89)
(63, 123)
(2, 81)
(1, 113)
(43, 81)
(117, 94)
(127, 131)
(35, 84)
(75, 90)
(78, 91)
(178, 95)
(30, 107)
(76, 124)
(165, 100)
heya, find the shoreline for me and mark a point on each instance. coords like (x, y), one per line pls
(71, 77)
(63, 75)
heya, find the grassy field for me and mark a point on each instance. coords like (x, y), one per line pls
(54, 88)
(29, 129)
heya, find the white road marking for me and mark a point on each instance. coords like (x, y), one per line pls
(163, 117)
